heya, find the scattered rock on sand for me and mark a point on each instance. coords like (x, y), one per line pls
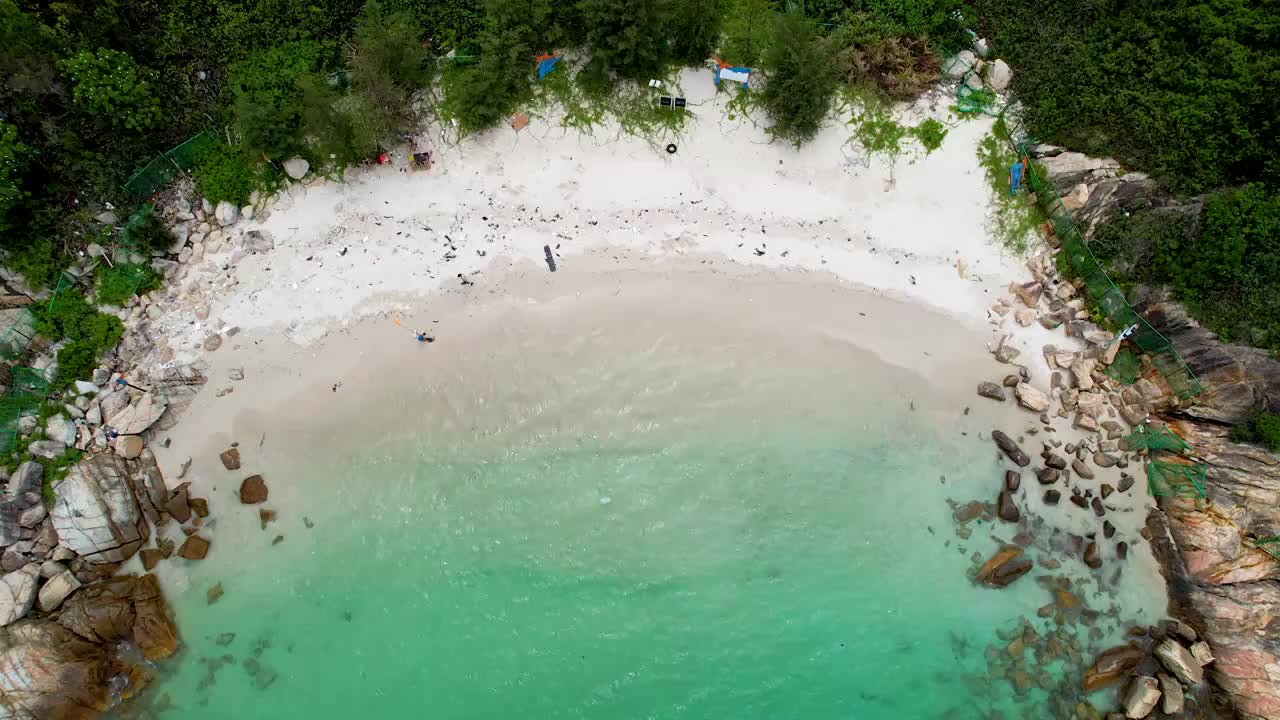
(1010, 448)
(1082, 469)
(266, 517)
(992, 391)
(1031, 398)
(1126, 482)
(194, 548)
(236, 373)
(1051, 497)
(230, 459)
(1012, 480)
(1092, 557)
(1007, 509)
(1007, 565)
(1029, 293)
(253, 490)
(1141, 697)
(1048, 476)
(199, 506)
(150, 558)
(1006, 353)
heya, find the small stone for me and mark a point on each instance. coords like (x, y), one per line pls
(1007, 509)
(1140, 697)
(230, 459)
(1011, 381)
(1082, 469)
(253, 490)
(266, 517)
(1092, 556)
(1096, 504)
(150, 558)
(1107, 490)
(296, 167)
(194, 548)
(1126, 482)
(1010, 448)
(214, 593)
(1048, 476)
(992, 391)
(277, 540)
(1031, 398)
(213, 342)
(1012, 480)
(1108, 530)
(1171, 695)
(1051, 497)
(199, 506)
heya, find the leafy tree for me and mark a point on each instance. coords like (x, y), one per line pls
(388, 65)
(695, 28)
(267, 99)
(109, 85)
(482, 96)
(1262, 429)
(13, 160)
(746, 31)
(800, 81)
(626, 38)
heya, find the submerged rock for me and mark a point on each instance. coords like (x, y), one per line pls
(1111, 666)
(253, 490)
(1007, 565)
(1010, 448)
(194, 548)
(46, 671)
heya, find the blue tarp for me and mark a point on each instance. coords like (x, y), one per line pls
(546, 66)
(736, 74)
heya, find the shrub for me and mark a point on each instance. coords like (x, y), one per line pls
(800, 81)
(36, 259)
(118, 284)
(695, 28)
(223, 172)
(146, 231)
(899, 68)
(746, 31)
(626, 38)
(930, 133)
(1261, 429)
(109, 85)
(68, 315)
(481, 96)
(13, 162)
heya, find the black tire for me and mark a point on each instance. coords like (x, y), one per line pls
(671, 148)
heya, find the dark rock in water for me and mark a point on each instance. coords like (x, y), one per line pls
(1011, 381)
(1007, 509)
(1048, 476)
(1126, 482)
(253, 490)
(1108, 530)
(262, 675)
(1010, 448)
(967, 512)
(230, 459)
(123, 608)
(1106, 490)
(278, 539)
(1097, 507)
(1111, 667)
(266, 517)
(1055, 461)
(1007, 565)
(1051, 497)
(1012, 480)
(992, 391)
(1092, 557)
(199, 506)
(225, 639)
(1082, 469)
(1122, 550)
(1079, 501)
(307, 521)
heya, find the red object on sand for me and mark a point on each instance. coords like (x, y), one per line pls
(382, 158)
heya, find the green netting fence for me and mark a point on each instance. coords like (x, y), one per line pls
(29, 386)
(20, 330)
(1144, 437)
(1168, 479)
(1097, 285)
(1271, 545)
(971, 97)
(10, 412)
(165, 166)
(1125, 369)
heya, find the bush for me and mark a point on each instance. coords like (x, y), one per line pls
(626, 38)
(109, 85)
(1181, 90)
(1261, 429)
(695, 29)
(483, 95)
(13, 162)
(223, 172)
(388, 65)
(118, 284)
(898, 68)
(67, 315)
(800, 81)
(146, 231)
(746, 31)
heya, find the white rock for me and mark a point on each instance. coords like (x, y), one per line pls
(60, 429)
(1091, 403)
(258, 241)
(84, 387)
(95, 250)
(33, 516)
(1179, 661)
(1031, 398)
(973, 81)
(1082, 373)
(197, 253)
(185, 255)
(51, 569)
(1172, 700)
(1141, 697)
(18, 593)
(236, 373)
(27, 424)
(206, 206)
(981, 47)
(246, 212)
(106, 217)
(1024, 316)
(57, 589)
(956, 67)
(139, 416)
(999, 75)
(226, 213)
(296, 167)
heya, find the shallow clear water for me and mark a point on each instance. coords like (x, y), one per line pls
(741, 540)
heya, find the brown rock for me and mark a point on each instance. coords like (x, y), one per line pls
(1010, 448)
(253, 490)
(50, 672)
(199, 506)
(1048, 476)
(992, 391)
(1092, 557)
(1106, 490)
(178, 507)
(277, 540)
(214, 593)
(1126, 482)
(150, 558)
(1007, 509)
(1007, 565)
(123, 608)
(230, 459)
(1055, 461)
(265, 517)
(1108, 530)
(1012, 480)
(1096, 504)
(1051, 497)
(1111, 667)
(1011, 381)
(967, 512)
(194, 548)
(1082, 469)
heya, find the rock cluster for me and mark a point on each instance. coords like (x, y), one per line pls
(1162, 666)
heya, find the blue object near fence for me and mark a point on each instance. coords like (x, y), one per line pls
(546, 65)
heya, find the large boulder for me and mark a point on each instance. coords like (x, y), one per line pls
(999, 75)
(226, 213)
(1179, 661)
(1111, 666)
(18, 593)
(19, 497)
(47, 672)
(57, 589)
(96, 513)
(1141, 697)
(296, 167)
(126, 607)
(137, 417)
(1007, 565)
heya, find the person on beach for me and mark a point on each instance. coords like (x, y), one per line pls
(424, 338)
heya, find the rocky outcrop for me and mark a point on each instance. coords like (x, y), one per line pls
(96, 513)
(123, 608)
(46, 672)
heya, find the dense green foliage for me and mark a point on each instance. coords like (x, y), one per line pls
(108, 85)
(1181, 89)
(223, 172)
(67, 315)
(1224, 264)
(1262, 429)
(801, 80)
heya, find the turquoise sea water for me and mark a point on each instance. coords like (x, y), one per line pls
(772, 549)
